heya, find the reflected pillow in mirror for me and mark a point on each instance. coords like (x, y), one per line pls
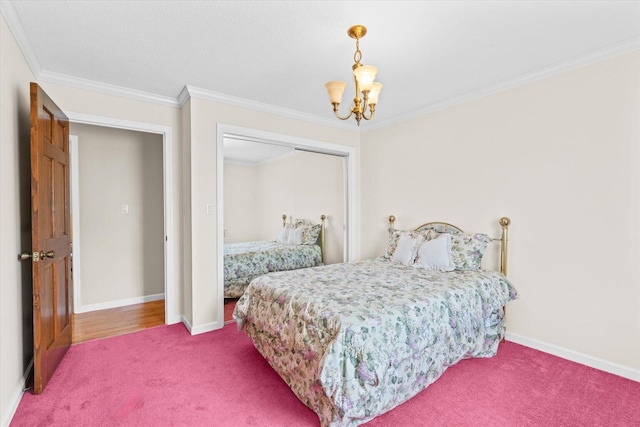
(310, 234)
(295, 236)
(283, 237)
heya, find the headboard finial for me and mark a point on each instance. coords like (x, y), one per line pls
(392, 221)
(505, 222)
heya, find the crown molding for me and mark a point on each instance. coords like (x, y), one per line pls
(183, 96)
(109, 89)
(15, 26)
(608, 52)
(194, 92)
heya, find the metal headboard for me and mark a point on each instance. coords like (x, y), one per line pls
(445, 227)
(323, 219)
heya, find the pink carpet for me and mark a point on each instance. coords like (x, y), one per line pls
(165, 377)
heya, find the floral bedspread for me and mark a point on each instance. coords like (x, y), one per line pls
(355, 340)
(245, 261)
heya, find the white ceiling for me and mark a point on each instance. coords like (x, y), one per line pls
(281, 53)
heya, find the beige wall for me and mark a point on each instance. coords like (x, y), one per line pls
(561, 157)
(275, 195)
(201, 266)
(185, 211)
(241, 203)
(16, 337)
(119, 167)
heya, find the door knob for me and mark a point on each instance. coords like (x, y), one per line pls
(36, 256)
(26, 255)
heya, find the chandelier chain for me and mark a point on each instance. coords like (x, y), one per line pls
(357, 56)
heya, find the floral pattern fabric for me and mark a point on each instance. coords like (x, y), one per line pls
(394, 237)
(354, 340)
(467, 250)
(310, 231)
(245, 261)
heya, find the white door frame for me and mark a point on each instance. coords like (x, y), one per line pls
(224, 130)
(167, 159)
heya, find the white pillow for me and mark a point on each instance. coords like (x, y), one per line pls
(436, 254)
(405, 252)
(295, 236)
(283, 237)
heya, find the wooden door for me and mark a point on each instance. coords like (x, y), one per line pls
(51, 236)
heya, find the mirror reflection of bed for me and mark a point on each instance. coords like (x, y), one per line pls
(264, 181)
(299, 244)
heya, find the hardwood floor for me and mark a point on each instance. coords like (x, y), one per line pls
(229, 305)
(117, 321)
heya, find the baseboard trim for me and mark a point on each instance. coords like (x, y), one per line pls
(17, 397)
(574, 356)
(186, 323)
(119, 303)
(207, 327)
(195, 330)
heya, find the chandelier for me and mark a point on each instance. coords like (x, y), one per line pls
(363, 77)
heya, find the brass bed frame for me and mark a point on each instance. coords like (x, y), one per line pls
(323, 219)
(445, 226)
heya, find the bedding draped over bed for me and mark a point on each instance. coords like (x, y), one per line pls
(354, 340)
(245, 261)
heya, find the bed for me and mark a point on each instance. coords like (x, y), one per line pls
(300, 244)
(354, 340)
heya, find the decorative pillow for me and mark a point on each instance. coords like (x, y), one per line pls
(310, 234)
(295, 236)
(283, 237)
(467, 250)
(435, 254)
(302, 222)
(406, 248)
(310, 231)
(394, 235)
